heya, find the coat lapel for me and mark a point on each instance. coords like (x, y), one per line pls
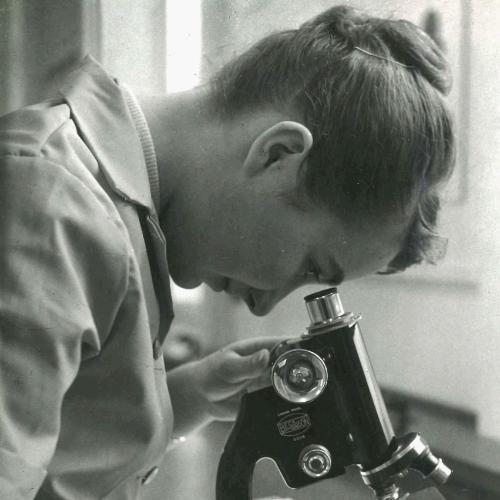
(99, 109)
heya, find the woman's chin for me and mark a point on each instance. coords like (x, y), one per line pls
(187, 282)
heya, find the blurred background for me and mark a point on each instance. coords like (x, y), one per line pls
(432, 333)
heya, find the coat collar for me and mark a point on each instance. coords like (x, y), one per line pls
(100, 111)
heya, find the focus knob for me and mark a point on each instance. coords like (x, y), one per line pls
(299, 376)
(315, 460)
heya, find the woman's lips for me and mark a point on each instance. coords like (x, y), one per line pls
(218, 284)
(234, 289)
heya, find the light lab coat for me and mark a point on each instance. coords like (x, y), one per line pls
(84, 406)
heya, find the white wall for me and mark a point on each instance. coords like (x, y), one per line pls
(133, 42)
(40, 42)
(483, 214)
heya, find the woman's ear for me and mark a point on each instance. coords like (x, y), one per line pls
(284, 145)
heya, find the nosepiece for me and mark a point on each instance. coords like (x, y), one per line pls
(412, 452)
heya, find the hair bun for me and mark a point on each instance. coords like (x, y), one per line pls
(341, 22)
(413, 46)
(399, 40)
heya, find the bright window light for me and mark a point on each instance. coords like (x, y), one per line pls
(183, 44)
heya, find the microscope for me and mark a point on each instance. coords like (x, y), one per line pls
(321, 412)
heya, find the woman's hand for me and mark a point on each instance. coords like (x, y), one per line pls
(211, 388)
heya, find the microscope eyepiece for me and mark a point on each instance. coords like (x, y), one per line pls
(324, 308)
(321, 293)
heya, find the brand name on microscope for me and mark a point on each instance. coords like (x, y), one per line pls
(294, 425)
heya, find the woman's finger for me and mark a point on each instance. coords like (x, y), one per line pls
(234, 368)
(248, 346)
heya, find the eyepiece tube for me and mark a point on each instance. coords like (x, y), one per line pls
(324, 306)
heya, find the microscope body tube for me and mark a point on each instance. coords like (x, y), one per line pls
(356, 393)
(348, 419)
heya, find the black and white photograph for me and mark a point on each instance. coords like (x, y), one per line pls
(249, 250)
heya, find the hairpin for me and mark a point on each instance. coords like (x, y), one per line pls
(382, 57)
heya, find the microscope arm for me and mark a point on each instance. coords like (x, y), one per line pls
(237, 463)
(234, 477)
